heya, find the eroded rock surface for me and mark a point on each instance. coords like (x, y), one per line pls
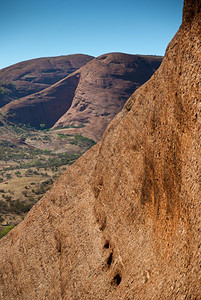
(123, 222)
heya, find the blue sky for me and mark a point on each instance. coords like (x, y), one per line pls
(40, 28)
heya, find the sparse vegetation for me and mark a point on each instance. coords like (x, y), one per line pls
(77, 139)
(70, 126)
(19, 207)
(82, 141)
(31, 160)
(42, 126)
(15, 206)
(2, 91)
(6, 230)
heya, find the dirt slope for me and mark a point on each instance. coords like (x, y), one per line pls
(34, 75)
(124, 221)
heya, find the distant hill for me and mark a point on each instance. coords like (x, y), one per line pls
(34, 75)
(88, 98)
(104, 86)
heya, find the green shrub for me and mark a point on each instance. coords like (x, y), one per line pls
(19, 207)
(2, 91)
(25, 193)
(18, 174)
(8, 176)
(3, 205)
(29, 172)
(6, 230)
(8, 198)
(82, 141)
(42, 126)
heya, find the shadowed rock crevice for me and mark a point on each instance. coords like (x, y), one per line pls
(107, 245)
(116, 280)
(109, 260)
(102, 223)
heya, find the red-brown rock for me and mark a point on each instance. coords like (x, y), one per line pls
(124, 221)
(34, 75)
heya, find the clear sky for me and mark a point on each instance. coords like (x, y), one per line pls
(40, 28)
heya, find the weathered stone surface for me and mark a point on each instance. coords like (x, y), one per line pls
(124, 221)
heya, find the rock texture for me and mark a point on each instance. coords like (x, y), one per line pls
(34, 75)
(95, 94)
(124, 221)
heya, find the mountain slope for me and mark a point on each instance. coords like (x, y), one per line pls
(34, 75)
(104, 86)
(44, 107)
(95, 94)
(124, 221)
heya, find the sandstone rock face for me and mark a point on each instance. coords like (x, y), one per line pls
(34, 75)
(124, 221)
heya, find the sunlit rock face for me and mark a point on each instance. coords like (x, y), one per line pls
(123, 222)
